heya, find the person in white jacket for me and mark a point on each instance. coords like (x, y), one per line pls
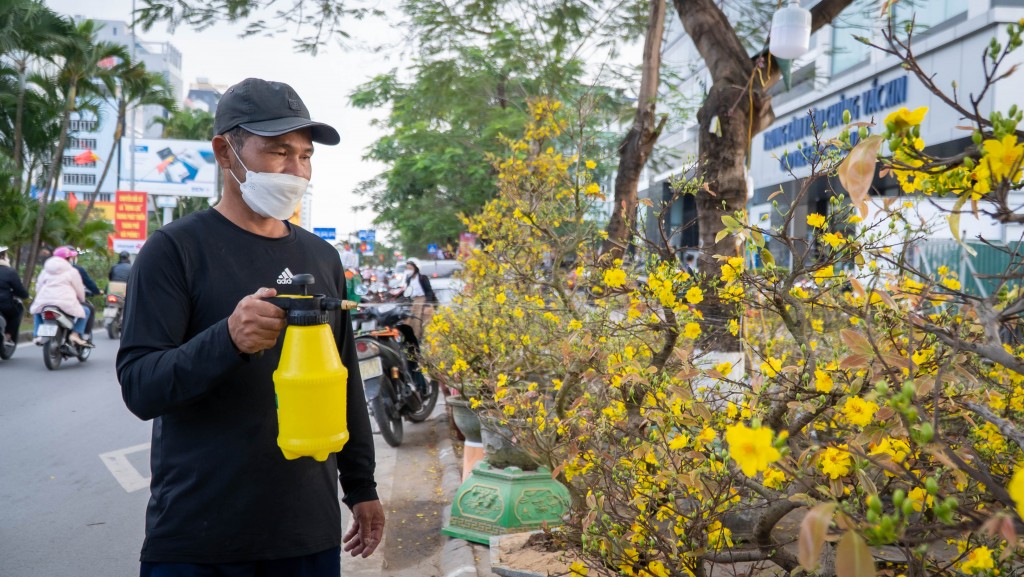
(59, 285)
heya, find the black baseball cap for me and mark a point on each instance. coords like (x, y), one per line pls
(268, 108)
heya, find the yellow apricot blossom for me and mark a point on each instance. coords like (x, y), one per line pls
(836, 461)
(816, 220)
(858, 411)
(694, 295)
(977, 561)
(1003, 158)
(751, 449)
(905, 118)
(614, 277)
(691, 330)
(1016, 490)
(823, 381)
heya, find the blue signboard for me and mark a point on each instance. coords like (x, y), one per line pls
(325, 233)
(432, 248)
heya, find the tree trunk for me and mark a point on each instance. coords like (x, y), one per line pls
(639, 141)
(121, 109)
(734, 96)
(19, 126)
(56, 161)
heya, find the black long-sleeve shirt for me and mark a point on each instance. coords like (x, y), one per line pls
(90, 285)
(10, 286)
(221, 489)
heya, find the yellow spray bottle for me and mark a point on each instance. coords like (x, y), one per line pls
(310, 382)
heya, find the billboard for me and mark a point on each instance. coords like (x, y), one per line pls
(129, 221)
(165, 166)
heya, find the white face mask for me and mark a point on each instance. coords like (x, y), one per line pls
(270, 194)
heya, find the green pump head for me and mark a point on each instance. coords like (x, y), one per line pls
(306, 309)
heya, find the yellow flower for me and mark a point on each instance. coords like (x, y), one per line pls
(694, 295)
(591, 165)
(898, 449)
(500, 298)
(707, 435)
(858, 411)
(823, 381)
(614, 277)
(978, 560)
(719, 536)
(824, 273)
(833, 239)
(734, 327)
(951, 283)
(678, 442)
(751, 448)
(904, 118)
(724, 368)
(771, 367)
(1003, 158)
(593, 189)
(691, 330)
(816, 220)
(578, 569)
(836, 462)
(1016, 490)
(918, 498)
(774, 478)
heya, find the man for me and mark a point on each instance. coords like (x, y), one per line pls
(690, 264)
(349, 258)
(224, 499)
(90, 289)
(120, 271)
(10, 289)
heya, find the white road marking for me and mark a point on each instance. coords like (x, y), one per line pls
(461, 570)
(123, 471)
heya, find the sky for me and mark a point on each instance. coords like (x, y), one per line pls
(323, 81)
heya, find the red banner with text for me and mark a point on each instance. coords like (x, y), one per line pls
(129, 219)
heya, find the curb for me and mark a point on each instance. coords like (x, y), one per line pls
(457, 559)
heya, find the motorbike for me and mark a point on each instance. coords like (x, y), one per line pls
(393, 383)
(55, 332)
(7, 348)
(113, 312)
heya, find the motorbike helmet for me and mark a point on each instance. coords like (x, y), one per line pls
(65, 252)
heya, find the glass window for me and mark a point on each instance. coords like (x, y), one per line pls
(929, 13)
(847, 51)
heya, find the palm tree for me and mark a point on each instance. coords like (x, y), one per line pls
(29, 30)
(134, 87)
(187, 124)
(82, 75)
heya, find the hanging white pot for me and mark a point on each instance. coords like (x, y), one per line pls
(791, 31)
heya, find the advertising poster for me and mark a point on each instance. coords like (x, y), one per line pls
(129, 221)
(170, 167)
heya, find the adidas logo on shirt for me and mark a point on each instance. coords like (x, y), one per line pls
(285, 277)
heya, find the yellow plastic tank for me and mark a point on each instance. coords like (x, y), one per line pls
(311, 385)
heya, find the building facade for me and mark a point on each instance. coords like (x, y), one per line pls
(839, 74)
(95, 133)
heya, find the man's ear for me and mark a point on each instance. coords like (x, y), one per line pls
(222, 152)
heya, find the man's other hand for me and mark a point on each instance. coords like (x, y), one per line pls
(255, 324)
(367, 529)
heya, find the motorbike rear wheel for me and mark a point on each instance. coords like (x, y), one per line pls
(114, 330)
(51, 351)
(428, 403)
(390, 427)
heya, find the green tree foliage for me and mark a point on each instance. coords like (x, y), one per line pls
(187, 124)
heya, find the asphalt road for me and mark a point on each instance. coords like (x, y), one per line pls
(74, 468)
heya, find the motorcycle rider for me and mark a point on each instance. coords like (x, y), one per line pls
(90, 289)
(418, 289)
(10, 290)
(60, 285)
(120, 271)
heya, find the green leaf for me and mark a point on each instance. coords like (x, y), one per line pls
(767, 257)
(853, 558)
(813, 530)
(721, 234)
(731, 223)
(954, 224)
